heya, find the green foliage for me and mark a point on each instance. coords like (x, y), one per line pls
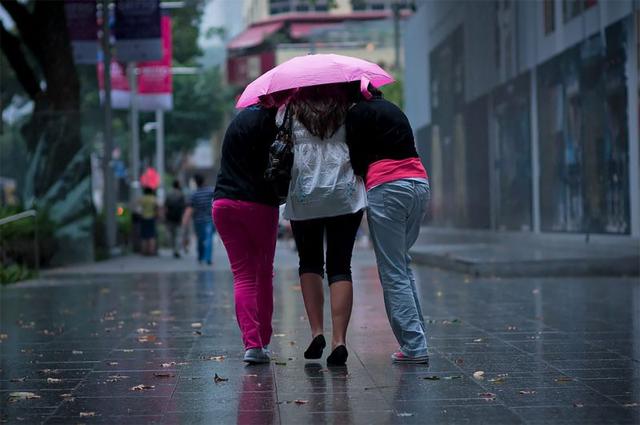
(395, 92)
(123, 232)
(200, 102)
(15, 273)
(17, 237)
(185, 22)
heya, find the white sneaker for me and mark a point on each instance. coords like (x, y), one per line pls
(256, 355)
(400, 357)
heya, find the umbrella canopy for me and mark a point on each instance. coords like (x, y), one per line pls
(150, 178)
(313, 70)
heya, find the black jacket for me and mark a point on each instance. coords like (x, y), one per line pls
(377, 129)
(245, 154)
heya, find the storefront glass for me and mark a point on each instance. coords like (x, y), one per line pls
(512, 156)
(582, 110)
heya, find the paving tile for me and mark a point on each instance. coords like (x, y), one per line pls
(577, 361)
(591, 415)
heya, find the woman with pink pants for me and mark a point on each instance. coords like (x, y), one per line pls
(245, 212)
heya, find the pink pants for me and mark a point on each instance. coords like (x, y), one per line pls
(249, 232)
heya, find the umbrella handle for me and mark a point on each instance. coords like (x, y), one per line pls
(364, 88)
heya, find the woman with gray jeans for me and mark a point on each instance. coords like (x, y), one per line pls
(382, 151)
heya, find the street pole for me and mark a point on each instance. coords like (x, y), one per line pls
(134, 155)
(109, 201)
(395, 7)
(160, 151)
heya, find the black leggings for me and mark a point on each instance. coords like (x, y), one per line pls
(341, 234)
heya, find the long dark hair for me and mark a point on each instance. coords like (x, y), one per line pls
(323, 109)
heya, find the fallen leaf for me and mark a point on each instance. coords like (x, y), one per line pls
(631, 405)
(3, 337)
(526, 392)
(279, 363)
(49, 371)
(563, 379)
(127, 350)
(217, 379)
(142, 331)
(53, 380)
(378, 388)
(197, 333)
(147, 338)
(578, 404)
(460, 361)
(22, 395)
(439, 293)
(116, 378)
(404, 414)
(77, 352)
(478, 374)
(535, 291)
(297, 401)
(112, 363)
(18, 379)
(142, 387)
(252, 375)
(444, 378)
(87, 414)
(477, 340)
(499, 380)
(163, 375)
(168, 364)
(155, 312)
(279, 335)
(512, 328)
(66, 395)
(487, 396)
(196, 325)
(217, 358)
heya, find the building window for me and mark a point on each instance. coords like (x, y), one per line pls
(573, 8)
(279, 6)
(549, 16)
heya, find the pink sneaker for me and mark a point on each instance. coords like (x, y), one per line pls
(400, 357)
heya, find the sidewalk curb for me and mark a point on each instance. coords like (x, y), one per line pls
(615, 267)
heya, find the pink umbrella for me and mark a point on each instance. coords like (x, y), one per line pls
(150, 178)
(313, 70)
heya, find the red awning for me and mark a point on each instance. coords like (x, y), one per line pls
(302, 29)
(254, 35)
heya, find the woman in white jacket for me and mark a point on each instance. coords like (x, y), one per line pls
(326, 200)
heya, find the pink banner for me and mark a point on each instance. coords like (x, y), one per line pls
(154, 78)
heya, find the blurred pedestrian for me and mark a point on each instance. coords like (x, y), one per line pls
(326, 200)
(174, 209)
(382, 150)
(199, 210)
(148, 207)
(245, 211)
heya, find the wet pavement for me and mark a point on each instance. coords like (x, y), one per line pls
(145, 347)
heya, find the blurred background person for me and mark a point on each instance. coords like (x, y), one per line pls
(199, 210)
(174, 209)
(148, 207)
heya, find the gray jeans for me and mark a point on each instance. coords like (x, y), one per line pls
(395, 212)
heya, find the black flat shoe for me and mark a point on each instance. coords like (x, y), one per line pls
(338, 357)
(315, 348)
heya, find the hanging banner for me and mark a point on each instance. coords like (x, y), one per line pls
(120, 94)
(137, 30)
(82, 27)
(154, 79)
(155, 82)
